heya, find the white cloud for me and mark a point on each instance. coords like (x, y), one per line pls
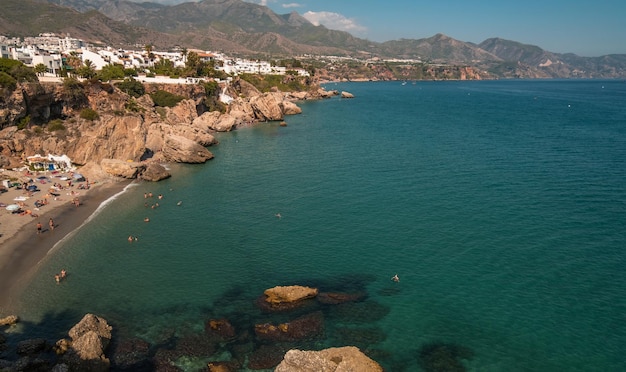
(292, 5)
(334, 21)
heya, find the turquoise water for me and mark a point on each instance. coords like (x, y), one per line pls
(501, 205)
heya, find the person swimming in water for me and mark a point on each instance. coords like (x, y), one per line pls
(395, 278)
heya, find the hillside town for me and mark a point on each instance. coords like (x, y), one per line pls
(52, 51)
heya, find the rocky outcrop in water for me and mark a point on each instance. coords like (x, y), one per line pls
(348, 358)
(282, 298)
(89, 340)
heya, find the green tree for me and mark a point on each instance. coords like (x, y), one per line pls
(7, 81)
(163, 67)
(87, 70)
(40, 69)
(128, 72)
(111, 72)
(131, 87)
(17, 70)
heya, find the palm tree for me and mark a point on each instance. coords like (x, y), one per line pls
(88, 70)
(40, 69)
(183, 52)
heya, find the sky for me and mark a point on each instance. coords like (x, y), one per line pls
(588, 28)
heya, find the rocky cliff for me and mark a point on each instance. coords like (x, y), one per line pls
(50, 119)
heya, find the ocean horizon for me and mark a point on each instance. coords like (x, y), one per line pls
(501, 206)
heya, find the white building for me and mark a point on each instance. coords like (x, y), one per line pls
(53, 62)
(97, 61)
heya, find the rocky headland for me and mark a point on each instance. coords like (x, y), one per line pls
(125, 136)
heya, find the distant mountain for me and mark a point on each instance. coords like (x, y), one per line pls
(438, 48)
(243, 28)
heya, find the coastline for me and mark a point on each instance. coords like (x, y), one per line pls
(22, 249)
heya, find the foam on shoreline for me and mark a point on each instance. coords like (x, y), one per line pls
(23, 250)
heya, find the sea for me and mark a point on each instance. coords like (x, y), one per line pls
(500, 205)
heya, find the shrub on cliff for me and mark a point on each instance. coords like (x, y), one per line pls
(285, 83)
(17, 70)
(131, 87)
(165, 99)
(74, 92)
(212, 97)
(89, 114)
(7, 81)
(55, 125)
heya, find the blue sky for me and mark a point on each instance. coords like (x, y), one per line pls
(584, 27)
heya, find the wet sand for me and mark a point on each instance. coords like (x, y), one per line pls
(22, 249)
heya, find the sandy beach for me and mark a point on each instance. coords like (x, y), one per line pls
(22, 248)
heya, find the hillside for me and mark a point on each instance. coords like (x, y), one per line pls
(245, 29)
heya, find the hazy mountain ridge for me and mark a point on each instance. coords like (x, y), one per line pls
(238, 27)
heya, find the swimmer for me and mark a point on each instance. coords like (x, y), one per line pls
(395, 278)
(146, 219)
(179, 203)
(278, 216)
(63, 273)
(130, 238)
(57, 278)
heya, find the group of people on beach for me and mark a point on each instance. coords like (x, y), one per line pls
(40, 226)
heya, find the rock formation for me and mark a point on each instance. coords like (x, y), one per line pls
(9, 320)
(348, 358)
(345, 94)
(89, 339)
(304, 327)
(128, 129)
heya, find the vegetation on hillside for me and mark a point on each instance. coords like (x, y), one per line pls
(165, 99)
(13, 72)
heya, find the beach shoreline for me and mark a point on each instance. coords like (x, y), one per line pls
(22, 248)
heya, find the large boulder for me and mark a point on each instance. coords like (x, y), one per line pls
(348, 358)
(214, 120)
(345, 94)
(89, 340)
(180, 149)
(287, 294)
(290, 108)
(120, 168)
(9, 320)
(155, 172)
(267, 106)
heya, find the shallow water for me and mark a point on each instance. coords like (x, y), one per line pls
(500, 205)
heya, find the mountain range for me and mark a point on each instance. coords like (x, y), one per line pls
(240, 28)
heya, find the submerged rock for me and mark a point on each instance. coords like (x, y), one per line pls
(443, 357)
(304, 327)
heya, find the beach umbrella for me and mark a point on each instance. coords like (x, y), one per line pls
(78, 177)
(12, 207)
